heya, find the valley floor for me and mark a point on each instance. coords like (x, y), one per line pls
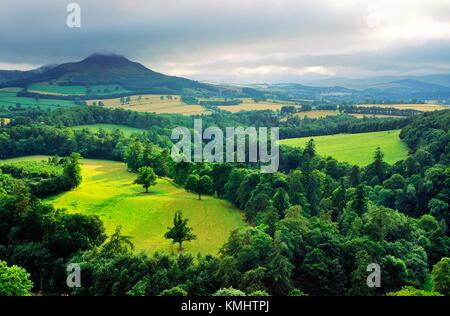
(107, 190)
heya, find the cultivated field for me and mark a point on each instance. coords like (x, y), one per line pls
(356, 148)
(110, 128)
(357, 115)
(107, 190)
(418, 107)
(153, 103)
(324, 113)
(250, 105)
(316, 114)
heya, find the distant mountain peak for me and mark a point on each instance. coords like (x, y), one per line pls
(107, 60)
(99, 68)
(105, 55)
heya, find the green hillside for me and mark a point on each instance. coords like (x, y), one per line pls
(356, 148)
(109, 71)
(9, 98)
(100, 90)
(108, 191)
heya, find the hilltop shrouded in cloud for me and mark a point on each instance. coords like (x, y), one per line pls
(237, 41)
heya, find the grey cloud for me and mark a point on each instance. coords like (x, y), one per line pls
(199, 36)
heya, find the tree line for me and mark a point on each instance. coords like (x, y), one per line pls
(376, 110)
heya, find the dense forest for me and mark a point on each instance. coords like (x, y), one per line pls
(314, 228)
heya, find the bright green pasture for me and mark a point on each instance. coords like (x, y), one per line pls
(356, 149)
(107, 190)
(55, 89)
(8, 98)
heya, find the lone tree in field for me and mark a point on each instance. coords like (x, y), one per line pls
(72, 170)
(146, 177)
(199, 185)
(180, 232)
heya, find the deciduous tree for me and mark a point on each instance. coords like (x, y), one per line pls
(146, 177)
(180, 232)
(14, 281)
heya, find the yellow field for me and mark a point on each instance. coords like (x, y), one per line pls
(373, 115)
(154, 103)
(54, 93)
(418, 107)
(250, 105)
(316, 114)
(324, 113)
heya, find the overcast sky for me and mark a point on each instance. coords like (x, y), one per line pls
(236, 41)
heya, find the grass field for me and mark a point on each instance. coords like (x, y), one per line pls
(45, 88)
(8, 97)
(356, 148)
(418, 107)
(110, 128)
(56, 90)
(107, 190)
(154, 103)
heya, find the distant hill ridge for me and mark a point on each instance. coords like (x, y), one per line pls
(106, 69)
(135, 78)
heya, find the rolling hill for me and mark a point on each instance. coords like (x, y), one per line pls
(107, 191)
(397, 90)
(99, 69)
(392, 87)
(112, 75)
